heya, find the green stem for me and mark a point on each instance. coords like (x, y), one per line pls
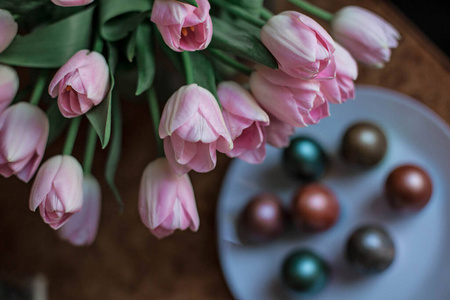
(239, 12)
(98, 44)
(188, 67)
(154, 111)
(231, 62)
(39, 87)
(265, 13)
(71, 136)
(91, 142)
(317, 11)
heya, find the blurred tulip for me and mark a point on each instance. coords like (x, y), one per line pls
(193, 128)
(278, 133)
(8, 29)
(245, 121)
(58, 190)
(81, 229)
(166, 200)
(23, 137)
(341, 88)
(183, 27)
(81, 83)
(9, 84)
(301, 46)
(72, 2)
(367, 36)
(295, 101)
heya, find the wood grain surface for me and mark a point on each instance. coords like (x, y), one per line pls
(126, 261)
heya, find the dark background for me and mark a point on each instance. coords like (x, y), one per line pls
(432, 17)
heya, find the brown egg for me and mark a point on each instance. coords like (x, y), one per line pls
(409, 187)
(364, 144)
(315, 207)
(262, 220)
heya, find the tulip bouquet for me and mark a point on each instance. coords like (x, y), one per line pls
(295, 69)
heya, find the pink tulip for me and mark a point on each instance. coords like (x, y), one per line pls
(23, 136)
(166, 200)
(81, 229)
(58, 190)
(9, 84)
(8, 29)
(301, 46)
(193, 128)
(81, 83)
(245, 120)
(72, 2)
(367, 36)
(341, 88)
(278, 133)
(295, 101)
(183, 27)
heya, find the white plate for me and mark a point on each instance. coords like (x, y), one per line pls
(421, 269)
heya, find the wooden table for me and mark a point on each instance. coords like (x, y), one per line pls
(126, 262)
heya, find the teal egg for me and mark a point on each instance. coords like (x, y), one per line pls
(305, 272)
(305, 159)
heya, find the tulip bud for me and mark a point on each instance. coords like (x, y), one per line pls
(58, 190)
(367, 36)
(81, 228)
(9, 84)
(67, 3)
(278, 133)
(166, 200)
(193, 128)
(301, 46)
(245, 120)
(8, 29)
(340, 89)
(23, 137)
(183, 27)
(295, 101)
(81, 83)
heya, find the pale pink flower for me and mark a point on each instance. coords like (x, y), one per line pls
(9, 84)
(82, 227)
(245, 121)
(193, 128)
(166, 200)
(23, 137)
(295, 101)
(58, 190)
(367, 36)
(183, 27)
(8, 29)
(72, 2)
(81, 83)
(278, 133)
(341, 88)
(301, 46)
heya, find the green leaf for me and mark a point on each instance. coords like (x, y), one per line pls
(131, 47)
(252, 6)
(145, 58)
(22, 6)
(118, 17)
(115, 149)
(244, 44)
(203, 72)
(191, 2)
(100, 116)
(51, 46)
(56, 121)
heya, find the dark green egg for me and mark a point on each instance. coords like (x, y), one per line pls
(305, 159)
(305, 272)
